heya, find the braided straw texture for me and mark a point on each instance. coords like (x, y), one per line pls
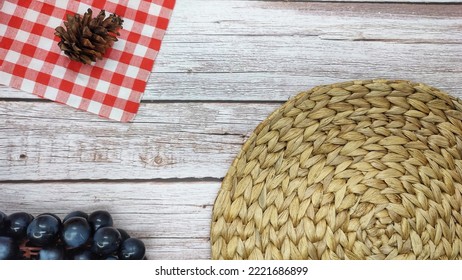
(356, 170)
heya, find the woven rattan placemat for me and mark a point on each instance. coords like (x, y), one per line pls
(356, 170)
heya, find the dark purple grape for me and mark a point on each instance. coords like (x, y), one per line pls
(83, 255)
(9, 249)
(75, 214)
(51, 253)
(106, 241)
(43, 230)
(132, 249)
(2, 222)
(99, 219)
(76, 232)
(56, 217)
(2, 217)
(124, 234)
(51, 214)
(17, 225)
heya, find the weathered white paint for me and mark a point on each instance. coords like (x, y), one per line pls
(47, 141)
(257, 50)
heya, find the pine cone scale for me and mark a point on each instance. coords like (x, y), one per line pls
(86, 43)
(86, 33)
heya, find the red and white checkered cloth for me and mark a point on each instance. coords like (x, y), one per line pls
(31, 60)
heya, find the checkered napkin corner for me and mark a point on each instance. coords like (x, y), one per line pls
(31, 60)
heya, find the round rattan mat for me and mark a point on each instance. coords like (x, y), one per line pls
(356, 170)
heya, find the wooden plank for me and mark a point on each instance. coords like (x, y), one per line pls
(199, 17)
(297, 67)
(235, 45)
(47, 141)
(173, 219)
(263, 86)
(229, 50)
(374, 1)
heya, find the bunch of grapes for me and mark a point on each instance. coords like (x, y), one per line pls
(78, 236)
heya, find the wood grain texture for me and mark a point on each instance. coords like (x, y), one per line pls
(230, 50)
(173, 225)
(46, 141)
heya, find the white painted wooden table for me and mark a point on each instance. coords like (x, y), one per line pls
(223, 67)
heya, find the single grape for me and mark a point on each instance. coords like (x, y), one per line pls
(56, 217)
(76, 232)
(132, 249)
(9, 250)
(106, 241)
(75, 214)
(124, 234)
(17, 225)
(51, 253)
(99, 219)
(82, 255)
(43, 230)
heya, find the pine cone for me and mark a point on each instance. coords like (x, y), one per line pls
(87, 39)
